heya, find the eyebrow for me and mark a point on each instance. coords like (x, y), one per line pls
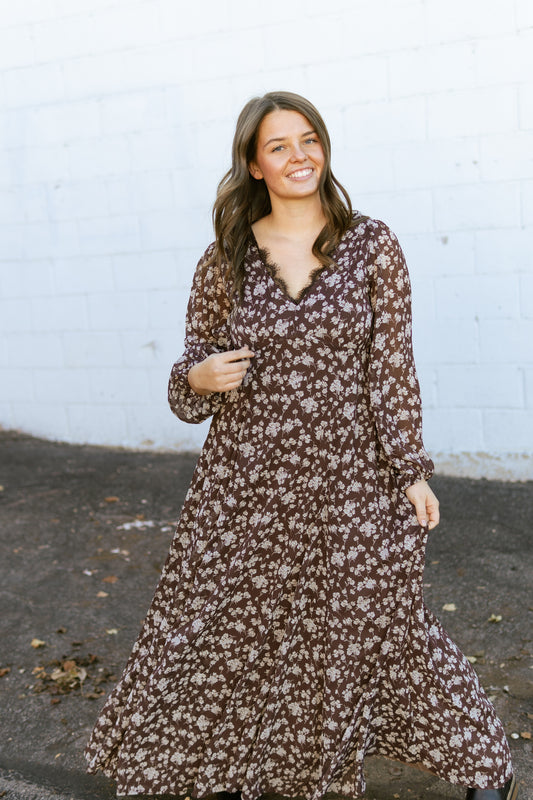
(282, 138)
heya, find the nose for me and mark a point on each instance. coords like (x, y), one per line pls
(297, 153)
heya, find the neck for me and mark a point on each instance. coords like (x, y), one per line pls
(294, 218)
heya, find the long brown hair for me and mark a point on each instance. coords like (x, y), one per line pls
(241, 200)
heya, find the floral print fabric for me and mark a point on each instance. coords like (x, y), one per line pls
(288, 636)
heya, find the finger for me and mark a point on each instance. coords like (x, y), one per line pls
(433, 515)
(220, 365)
(235, 355)
(420, 510)
(233, 379)
(233, 368)
(232, 385)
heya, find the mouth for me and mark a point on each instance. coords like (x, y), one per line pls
(300, 174)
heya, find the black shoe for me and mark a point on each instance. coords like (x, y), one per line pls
(507, 792)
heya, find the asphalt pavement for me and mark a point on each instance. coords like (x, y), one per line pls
(84, 532)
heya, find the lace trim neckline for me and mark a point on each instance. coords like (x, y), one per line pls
(274, 270)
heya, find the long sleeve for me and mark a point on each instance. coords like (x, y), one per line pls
(205, 333)
(394, 388)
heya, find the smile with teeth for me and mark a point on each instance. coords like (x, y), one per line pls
(301, 173)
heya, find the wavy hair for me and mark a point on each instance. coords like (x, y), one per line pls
(242, 200)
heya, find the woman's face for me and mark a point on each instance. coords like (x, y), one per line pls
(289, 155)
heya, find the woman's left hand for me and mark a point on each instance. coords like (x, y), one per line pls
(425, 503)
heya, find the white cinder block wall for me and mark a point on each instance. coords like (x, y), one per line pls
(116, 123)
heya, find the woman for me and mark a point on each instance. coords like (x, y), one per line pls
(288, 637)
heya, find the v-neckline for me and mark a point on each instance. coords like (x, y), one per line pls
(273, 271)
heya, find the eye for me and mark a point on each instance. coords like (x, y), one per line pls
(277, 149)
(311, 140)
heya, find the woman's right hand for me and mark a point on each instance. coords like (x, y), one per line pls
(220, 372)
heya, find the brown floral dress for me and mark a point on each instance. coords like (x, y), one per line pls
(288, 636)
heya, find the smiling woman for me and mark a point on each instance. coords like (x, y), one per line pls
(244, 195)
(288, 637)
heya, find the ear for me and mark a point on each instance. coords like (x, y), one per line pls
(254, 171)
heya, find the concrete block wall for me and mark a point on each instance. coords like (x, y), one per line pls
(115, 126)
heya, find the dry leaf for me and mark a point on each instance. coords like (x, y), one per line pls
(111, 499)
(110, 579)
(82, 674)
(495, 618)
(525, 735)
(69, 674)
(37, 643)
(449, 607)
(102, 594)
(4, 671)
(472, 659)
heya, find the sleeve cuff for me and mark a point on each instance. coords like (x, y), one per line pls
(184, 402)
(407, 478)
